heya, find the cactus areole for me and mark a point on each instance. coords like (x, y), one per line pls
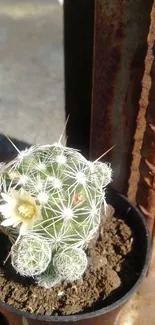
(50, 203)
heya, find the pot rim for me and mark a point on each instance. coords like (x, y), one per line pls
(103, 310)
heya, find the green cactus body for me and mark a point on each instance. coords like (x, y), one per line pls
(64, 195)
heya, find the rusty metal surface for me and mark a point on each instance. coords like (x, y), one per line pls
(120, 43)
(142, 121)
(146, 185)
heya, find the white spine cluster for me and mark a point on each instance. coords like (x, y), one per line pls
(30, 256)
(70, 263)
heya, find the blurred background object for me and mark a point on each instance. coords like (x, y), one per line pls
(31, 70)
(61, 2)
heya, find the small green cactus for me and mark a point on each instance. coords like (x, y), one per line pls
(51, 196)
(30, 256)
(49, 278)
(70, 263)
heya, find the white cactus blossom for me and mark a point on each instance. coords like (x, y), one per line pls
(20, 209)
(50, 204)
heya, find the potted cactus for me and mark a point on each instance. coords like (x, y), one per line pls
(53, 209)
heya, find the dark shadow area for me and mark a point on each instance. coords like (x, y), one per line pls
(3, 320)
(7, 151)
(7, 269)
(78, 48)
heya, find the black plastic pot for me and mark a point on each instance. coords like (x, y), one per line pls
(104, 314)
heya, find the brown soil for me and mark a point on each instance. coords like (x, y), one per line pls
(111, 272)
